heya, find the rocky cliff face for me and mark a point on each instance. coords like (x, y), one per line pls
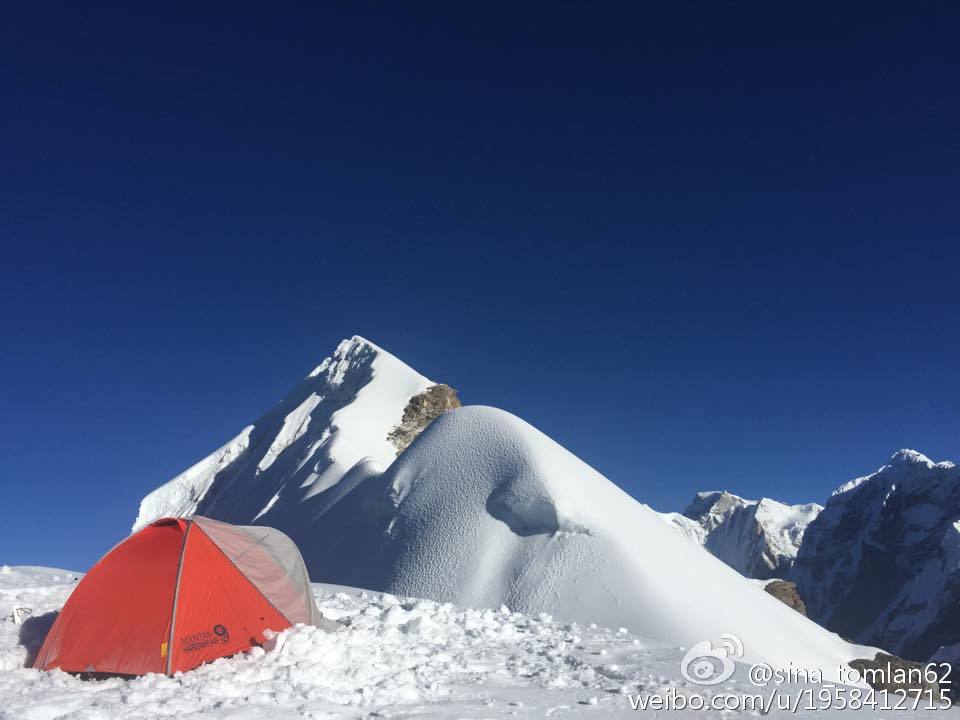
(881, 563)
(786, 592)
(759, 539)
(422, 410)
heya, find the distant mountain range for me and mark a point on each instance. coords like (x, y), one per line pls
(385, 482)
(881, 562)
(759, 539)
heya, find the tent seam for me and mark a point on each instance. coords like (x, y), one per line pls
(176, 596)
(244, 576)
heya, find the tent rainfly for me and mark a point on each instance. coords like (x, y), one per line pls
(178, 593)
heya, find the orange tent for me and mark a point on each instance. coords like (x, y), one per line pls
(180, 592)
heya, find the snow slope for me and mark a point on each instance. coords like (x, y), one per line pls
(489, 510)
(333, 424)
(391, 658)
(758, 539)
(881, 563)
(483, 510)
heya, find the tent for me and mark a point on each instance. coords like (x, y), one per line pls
(178, 593)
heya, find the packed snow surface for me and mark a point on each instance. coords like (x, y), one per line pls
(391, 657)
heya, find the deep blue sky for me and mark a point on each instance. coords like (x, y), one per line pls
(701, 245)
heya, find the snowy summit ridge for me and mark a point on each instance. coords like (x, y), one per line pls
(334, 424)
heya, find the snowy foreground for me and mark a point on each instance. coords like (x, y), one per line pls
(391, 657)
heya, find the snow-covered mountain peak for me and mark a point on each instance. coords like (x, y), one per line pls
(351, 354)
(904, 464)
(336, 421)
(710, 508)
(881, 563)
(757, 538)
(910, 457)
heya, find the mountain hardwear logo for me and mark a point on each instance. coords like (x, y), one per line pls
(205, 638)
(221, 632)
(706, 665)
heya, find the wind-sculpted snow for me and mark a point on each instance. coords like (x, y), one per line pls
(484, 510)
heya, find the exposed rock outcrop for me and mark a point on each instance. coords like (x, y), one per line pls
(422, 410)
(896, 675)
(786, 592)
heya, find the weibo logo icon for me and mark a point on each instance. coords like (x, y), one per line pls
(705, 664)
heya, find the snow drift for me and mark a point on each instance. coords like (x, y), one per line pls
(489, 510)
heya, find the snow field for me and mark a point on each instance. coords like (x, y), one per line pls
(391, 657)
(396, 655)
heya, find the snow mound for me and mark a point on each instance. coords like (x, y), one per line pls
(336, 421)
(482, 510)
(490, 511)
